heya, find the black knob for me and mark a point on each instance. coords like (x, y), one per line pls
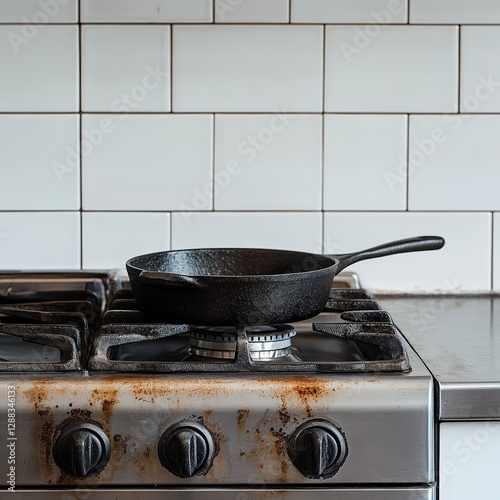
(317, 448)
(186, 449)
(81, 449)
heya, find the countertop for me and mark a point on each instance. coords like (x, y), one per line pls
(458, 338)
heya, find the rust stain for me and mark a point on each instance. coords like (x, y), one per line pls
(242, 418)
(46, 434)
(305, 389)
(107, 397)
(280, 447)
(80, 414)
(220, 463)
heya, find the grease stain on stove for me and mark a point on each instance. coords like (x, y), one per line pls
(107, 397)
(80, 413)
(46, 434)
(242, 417)
(221, 465)
(280, 447)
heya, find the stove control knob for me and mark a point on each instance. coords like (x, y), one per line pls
(81, 449)
(187, 449)
(317, 448)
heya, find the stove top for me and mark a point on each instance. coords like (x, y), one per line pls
(104, 398)
(81, 321)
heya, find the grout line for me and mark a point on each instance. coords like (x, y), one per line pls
(323, 79)
(270, 112)
(170, 219)
(492, 280)
(80, 128)
(408, 9)
(289, 11)
(408, 162)
(213, 163)
(256, 24)
(459, 106)
(171, 68)
(214, 10)
(267, 211)
(323, 250)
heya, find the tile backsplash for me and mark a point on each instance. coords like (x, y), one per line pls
(134, 126)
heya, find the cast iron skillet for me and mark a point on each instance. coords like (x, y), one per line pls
(242, 286)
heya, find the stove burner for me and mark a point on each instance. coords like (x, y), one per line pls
(264, 342)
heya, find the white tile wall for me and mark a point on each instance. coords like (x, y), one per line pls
(496, 251)
(147, 162)
(39, 68)
(359, 150)
(318, 125)
(289, 231)
(391, 68)
(247, 68)
(349, 11)
(39, 164)
(467, 235)
(126, 68)
(146, 11)
(111, 238)
(38, 11)
(480, 72)
(446, 173)
(40, 240)
(251, 11)
(455, 11)
(268, 162)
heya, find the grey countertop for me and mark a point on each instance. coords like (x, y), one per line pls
(458, 338)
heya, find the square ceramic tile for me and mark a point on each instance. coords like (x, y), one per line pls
(126, 68)
(247, 68)
(391, 68)
(349, 11)
(288, 231)
(146, 11)
(251, 11)
(39, 72)
(38, 12)
(455, 11)
(110, 239)
(453, 162)
(147, 162)
(39, 162)
(480, 73)
(361, 152)
(496, 251)
(467, 236)
(268, 162)
(39, 240)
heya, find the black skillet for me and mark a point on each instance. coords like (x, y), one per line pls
(241, 286)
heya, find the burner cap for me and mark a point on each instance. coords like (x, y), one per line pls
(264, 342)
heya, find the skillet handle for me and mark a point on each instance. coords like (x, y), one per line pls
(155, 278)
(401, 246)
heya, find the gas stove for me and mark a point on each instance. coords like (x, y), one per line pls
(99, 401)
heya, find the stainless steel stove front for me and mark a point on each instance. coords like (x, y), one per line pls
(386, 419)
